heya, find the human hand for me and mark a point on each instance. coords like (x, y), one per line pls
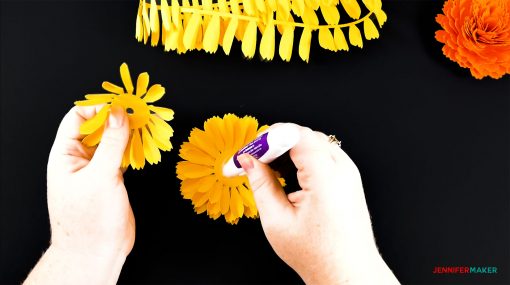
(322, 231)
(92, 223)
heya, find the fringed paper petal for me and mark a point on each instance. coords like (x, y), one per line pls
(207, 25)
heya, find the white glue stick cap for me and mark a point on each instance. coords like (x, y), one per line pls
(268, 146)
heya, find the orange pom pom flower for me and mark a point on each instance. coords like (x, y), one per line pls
(477, 35)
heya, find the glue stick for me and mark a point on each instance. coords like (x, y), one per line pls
(268, 146)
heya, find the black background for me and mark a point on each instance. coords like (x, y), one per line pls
(431, 142)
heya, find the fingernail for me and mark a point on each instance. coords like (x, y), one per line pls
(116, 118)
(246, 161)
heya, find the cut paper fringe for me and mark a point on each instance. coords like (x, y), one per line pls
(203, 25)
(201, 169)
(149, 132)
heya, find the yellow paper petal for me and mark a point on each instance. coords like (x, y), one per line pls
(216, 193)
(206, 184)
(189, 187)
(126, 78)
(326, 39)
(250, 40)
(191, 31)
(95, 122)
(251, 212)
(230, 121)
(304, 44)
(154, 94)
(340, 41)
(214, 126)
(139, 24)
(371, 31)
(298, 7)
(267, 42)
(141, 84)
(236, 203)
(145, 17)
(187, 169)
(154, 21)
(165, 15)
(150, 150)
(201, 209)
(249, 7)
(175, 13)
(285, 5)
(213, 210)
(239, 135)
(352, 8)
(164, 113)
(225, 200)
(355, 36)
(160, 138)
(247, 196)
(106, 97)
(212, 35)
(381, 17)
(136, 152)
(330, 14)
(202, 140)
(261, 6)
(199, 199)
(92, 102)
(250, 124)
(228, 38)
(286, 43)
(309, 17)
(195, 155)
(112, 88)
(94, 138)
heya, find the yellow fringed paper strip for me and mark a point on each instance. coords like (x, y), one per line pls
(149, 132)
(201, 170)
(207, 25)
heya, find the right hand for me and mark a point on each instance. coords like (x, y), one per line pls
(322, 231)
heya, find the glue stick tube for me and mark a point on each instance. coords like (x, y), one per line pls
(268, 146)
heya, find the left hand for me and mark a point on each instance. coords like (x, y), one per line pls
(88, 203)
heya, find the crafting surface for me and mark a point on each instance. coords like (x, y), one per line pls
(431, 142)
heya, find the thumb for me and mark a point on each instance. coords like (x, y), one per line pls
(271, 200)
(109, 153)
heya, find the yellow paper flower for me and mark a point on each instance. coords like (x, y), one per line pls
(207, 25)
(201, 171)
(149, 132)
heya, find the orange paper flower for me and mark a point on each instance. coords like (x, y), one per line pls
(477, 35)
(201, 172)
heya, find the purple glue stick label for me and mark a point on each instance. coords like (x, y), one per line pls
(256, 148)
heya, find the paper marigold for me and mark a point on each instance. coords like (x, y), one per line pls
(207, 25)
(201, 171)
(477, 35)
(149, 132)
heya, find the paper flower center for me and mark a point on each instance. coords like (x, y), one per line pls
(137, 110)
(218, 170)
